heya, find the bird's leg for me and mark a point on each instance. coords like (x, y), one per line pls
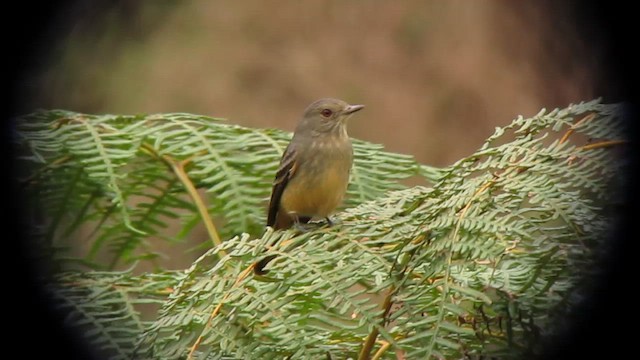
(300, 222)
(329, 222)
(335, 221)
(300, 227)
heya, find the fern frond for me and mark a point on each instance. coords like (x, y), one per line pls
(477, 265)
(499, 237)
(105, 307)
(115, 172)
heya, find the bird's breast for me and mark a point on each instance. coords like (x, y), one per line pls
(321, 179)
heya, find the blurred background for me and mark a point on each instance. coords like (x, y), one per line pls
(436, 76)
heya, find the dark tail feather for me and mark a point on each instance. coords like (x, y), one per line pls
(258, 268)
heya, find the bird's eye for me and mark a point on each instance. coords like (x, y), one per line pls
(327, 112)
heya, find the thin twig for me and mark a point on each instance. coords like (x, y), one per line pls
(454, 235)
(574, 126)
(243, 275)
(602, 144)
(385, 346)
(45, 168)
(371, 338)
(387, 303)
(178, 168)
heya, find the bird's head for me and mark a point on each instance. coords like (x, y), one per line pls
(327, 116)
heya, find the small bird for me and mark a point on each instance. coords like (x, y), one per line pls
(314, 170)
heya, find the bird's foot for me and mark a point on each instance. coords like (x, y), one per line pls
(303, 228)
(332, 222)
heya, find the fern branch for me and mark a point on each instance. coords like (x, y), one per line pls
(480, 264)
(178, 169)
(110, 169)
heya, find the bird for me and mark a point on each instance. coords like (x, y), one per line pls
(314, 170)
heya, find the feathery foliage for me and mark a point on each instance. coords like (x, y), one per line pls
(101, 305)
(129, 176)
(481, 263)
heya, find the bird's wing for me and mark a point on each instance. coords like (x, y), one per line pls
(285, 172)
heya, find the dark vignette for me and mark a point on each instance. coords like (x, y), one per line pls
(593, 328)
(36, 330)
(596, 327)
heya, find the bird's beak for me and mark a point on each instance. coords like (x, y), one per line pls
(353, 108)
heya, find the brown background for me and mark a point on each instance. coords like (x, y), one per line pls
(436, 76)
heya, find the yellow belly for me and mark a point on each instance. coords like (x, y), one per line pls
(317, 194)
